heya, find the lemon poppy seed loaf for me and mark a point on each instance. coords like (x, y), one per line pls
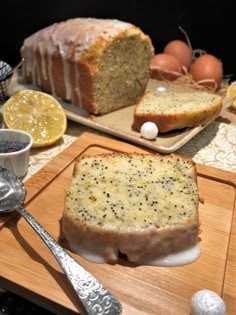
(142, 205)
(98, 64)
(177, 109)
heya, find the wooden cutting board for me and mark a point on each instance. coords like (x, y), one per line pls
(29, 269)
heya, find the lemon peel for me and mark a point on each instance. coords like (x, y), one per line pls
(37, 113)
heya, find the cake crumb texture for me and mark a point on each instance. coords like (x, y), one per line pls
(171, 110)
(137, 204)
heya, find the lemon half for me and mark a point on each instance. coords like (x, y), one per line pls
(37, 113)
(231, 94)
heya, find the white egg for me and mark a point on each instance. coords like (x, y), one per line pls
(149, 130)
(206, 302)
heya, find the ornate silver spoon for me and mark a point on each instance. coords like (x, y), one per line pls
(95, 298)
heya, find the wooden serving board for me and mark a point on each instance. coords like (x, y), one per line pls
(30, 270)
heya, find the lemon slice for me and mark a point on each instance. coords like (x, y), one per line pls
(231, 94)
(37, 113)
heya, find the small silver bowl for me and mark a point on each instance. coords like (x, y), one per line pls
(15, 147)
(6, 73)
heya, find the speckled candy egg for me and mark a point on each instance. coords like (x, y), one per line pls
(206, 302)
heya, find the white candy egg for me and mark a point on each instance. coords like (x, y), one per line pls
(206, 302)
(161, 88)
(149, 130)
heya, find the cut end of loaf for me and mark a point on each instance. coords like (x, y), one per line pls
(122, 73)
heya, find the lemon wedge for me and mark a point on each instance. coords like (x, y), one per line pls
(37, 113)
(231, 94)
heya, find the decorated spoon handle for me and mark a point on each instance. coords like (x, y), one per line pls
(94, 297)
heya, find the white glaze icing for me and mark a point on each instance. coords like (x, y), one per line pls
(66, 71)
(184, 257)
(88, 255)
(79, 33)
(77, 85)
(50, 71)
(43, 63)
(181, 258)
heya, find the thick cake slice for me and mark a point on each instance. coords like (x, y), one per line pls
(171, 110)
(142, 205)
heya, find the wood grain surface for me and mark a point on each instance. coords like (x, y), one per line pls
(29, 269)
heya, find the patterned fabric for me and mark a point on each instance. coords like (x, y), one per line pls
(214, 146)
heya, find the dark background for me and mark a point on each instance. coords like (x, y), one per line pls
(210, 25)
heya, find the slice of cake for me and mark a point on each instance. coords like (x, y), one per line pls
(144, 206)
(176, 109)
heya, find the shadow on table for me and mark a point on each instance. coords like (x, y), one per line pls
(57, 275)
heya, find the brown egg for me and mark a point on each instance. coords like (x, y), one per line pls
(180, 50)
(165, 67)
(207, 67)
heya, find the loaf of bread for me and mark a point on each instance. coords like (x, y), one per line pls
(177, 109)
(98, 64)
(144, 206)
